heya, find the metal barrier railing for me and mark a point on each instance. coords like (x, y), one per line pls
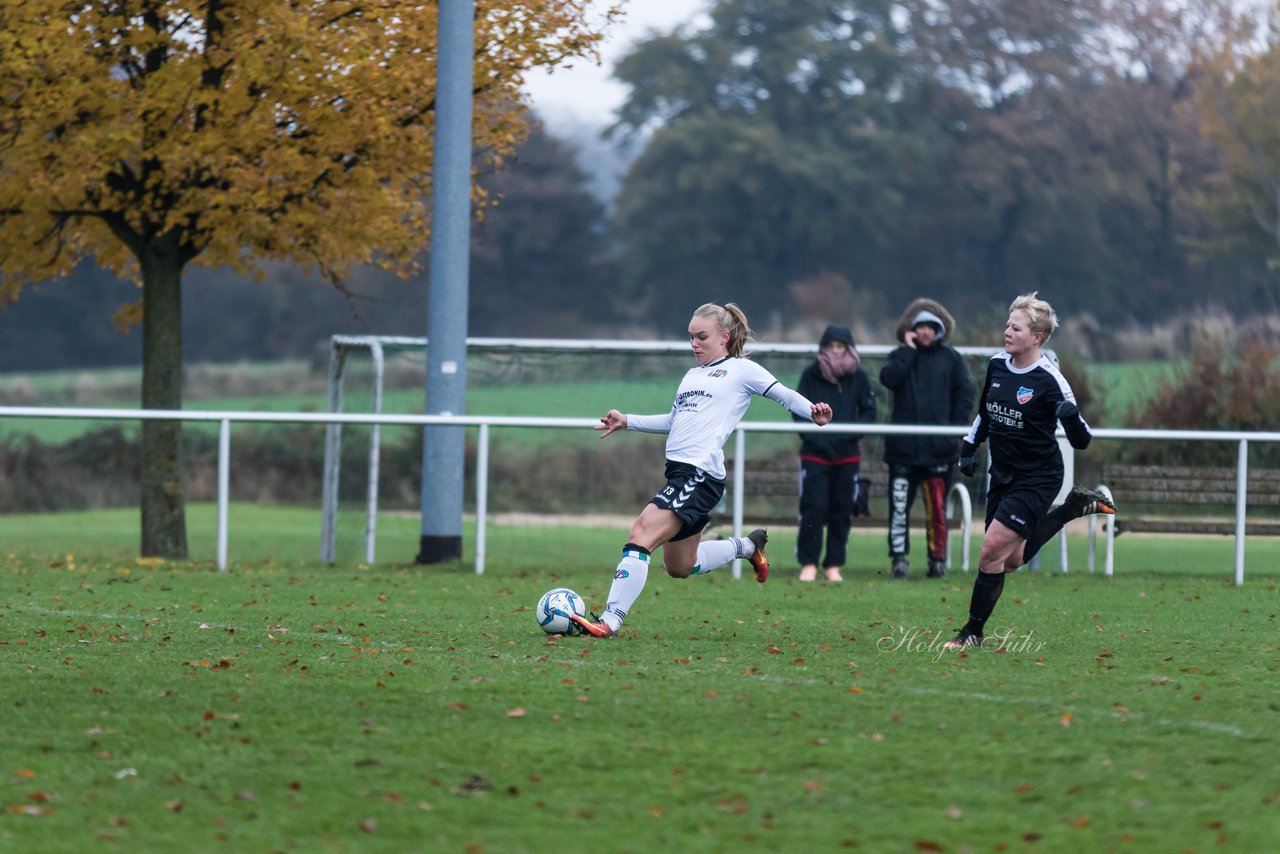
(486, 422)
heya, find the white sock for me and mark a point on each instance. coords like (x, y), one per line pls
(716, 553)
(628, 582)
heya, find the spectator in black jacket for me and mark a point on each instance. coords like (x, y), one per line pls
(931, 385)
(829, 463)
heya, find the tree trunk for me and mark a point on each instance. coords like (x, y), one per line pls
(164, 525)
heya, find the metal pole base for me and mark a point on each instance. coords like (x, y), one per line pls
(435, 549)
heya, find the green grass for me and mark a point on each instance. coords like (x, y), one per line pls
(288, 705)
(1128, 387)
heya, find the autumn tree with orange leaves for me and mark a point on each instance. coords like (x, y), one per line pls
(149, 135)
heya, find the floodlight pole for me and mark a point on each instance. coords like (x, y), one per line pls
(443, 448)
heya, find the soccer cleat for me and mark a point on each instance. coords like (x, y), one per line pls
(833, 573)
(966, 638)
(1086, 502)
(900, 568)
(761, 563)
(808, 573)
(937, 568)
(594, 626)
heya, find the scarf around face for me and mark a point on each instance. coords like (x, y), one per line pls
(833, 366)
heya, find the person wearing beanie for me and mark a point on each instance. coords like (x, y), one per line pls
(830, 462)
(931, 385)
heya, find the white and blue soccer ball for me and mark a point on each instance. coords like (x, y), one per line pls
(554, 609)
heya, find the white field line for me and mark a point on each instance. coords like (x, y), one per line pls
(1207, 726)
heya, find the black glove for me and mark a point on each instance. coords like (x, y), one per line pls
(965, 461)
(1078, 433)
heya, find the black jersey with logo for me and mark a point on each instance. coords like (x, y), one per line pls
(1018, 413)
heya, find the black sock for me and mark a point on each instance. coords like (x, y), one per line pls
(986, 593)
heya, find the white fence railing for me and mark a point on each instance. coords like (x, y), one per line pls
(486, 422)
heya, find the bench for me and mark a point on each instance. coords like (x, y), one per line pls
(1203, 496)
(771, 491)
(771, 497)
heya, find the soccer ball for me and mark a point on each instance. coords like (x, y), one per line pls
(554, 609)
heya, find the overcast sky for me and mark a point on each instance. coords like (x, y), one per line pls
(586, 94)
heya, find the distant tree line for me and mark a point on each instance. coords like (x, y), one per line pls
(1114, 154)
(820, 158)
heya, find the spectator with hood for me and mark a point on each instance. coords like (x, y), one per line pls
(931, 385)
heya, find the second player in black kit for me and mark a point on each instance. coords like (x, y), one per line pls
(1024, 398)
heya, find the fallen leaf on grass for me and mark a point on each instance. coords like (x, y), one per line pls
(1065, 720)
(473, 784)
(29, 809)
(516, 713)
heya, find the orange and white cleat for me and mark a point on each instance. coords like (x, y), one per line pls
(595, 626)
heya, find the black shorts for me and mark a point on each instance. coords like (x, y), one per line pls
(691, 494)
(1022, 504)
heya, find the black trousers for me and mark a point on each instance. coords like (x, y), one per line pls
(826, 506)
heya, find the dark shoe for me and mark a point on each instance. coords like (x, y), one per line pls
(1086, 502)
(900, 568)
(594, 626)
(965, 639)
(761, 563)
(937, 568)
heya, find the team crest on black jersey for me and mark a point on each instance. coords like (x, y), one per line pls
(718, 372)
(1024, 394)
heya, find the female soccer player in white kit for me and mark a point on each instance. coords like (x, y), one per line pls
(710, 402)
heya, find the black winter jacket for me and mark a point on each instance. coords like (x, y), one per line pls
(930, 386)
(851, 402)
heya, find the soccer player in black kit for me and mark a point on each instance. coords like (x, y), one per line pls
(1023, 399)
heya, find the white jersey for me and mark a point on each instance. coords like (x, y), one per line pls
(709, 404)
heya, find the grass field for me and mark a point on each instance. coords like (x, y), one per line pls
(288, 705)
